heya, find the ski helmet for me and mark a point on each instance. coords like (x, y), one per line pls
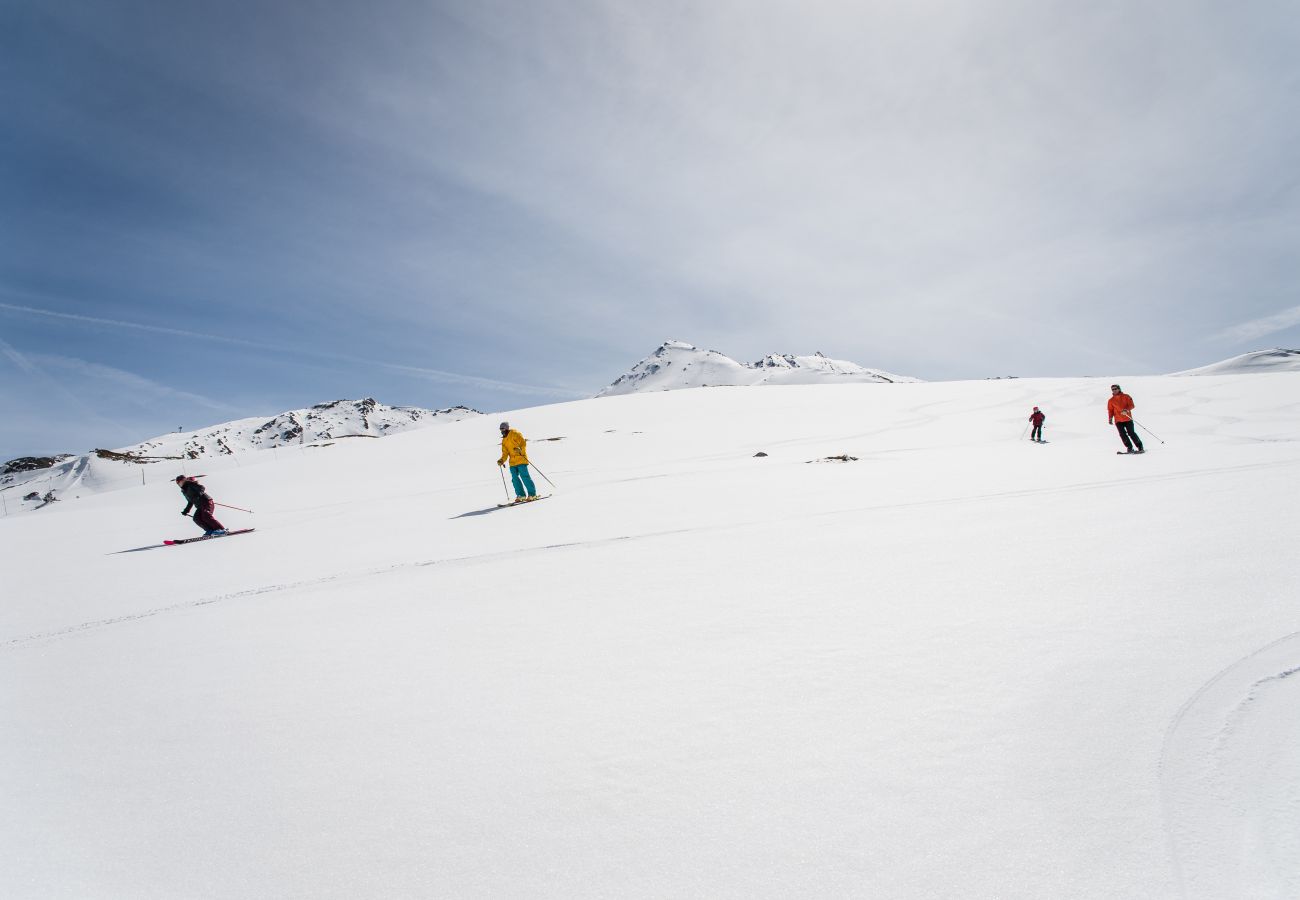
(505, 426)
(180, 478)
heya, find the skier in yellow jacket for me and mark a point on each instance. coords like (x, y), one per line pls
(514, 449)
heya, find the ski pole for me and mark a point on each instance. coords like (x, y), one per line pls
(1025, 432)
(228, 506)
(1148, 431)
(543, 474)
(503, 481)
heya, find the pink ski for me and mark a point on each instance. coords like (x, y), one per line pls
(207, 537)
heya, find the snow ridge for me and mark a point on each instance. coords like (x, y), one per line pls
(676, 365)
(1257, 361)
(322, 422)
(103, 470)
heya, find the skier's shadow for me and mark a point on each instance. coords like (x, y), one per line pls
(136, 549)
(476, 512)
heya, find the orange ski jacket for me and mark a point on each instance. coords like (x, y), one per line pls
(1118, 407)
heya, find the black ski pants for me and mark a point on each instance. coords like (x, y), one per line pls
(1037, 433)
(1128, 434)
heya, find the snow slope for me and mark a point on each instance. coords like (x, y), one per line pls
(964, 665)
(676, 365)
(1275, 360)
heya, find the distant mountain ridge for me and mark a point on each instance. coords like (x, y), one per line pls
(677, 365)
(1257, 361)
(324, 421)
(317, 425)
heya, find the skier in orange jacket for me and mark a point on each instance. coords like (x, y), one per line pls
(1119, 412)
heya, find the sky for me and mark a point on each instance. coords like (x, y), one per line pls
(212, 211)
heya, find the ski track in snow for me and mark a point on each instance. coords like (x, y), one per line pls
(309, 582)
(1230, 780)
(14, 643)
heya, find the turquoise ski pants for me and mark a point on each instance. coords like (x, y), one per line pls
(522, 480)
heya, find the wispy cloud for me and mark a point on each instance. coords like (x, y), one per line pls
(427, 374)
(133, 387)
(490, 383)
(134, 326)
(18, 359)
(1258, 328)
(32, 367)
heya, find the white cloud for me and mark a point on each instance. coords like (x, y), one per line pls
(1255, 329)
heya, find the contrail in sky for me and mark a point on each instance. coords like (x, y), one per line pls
(418, 371)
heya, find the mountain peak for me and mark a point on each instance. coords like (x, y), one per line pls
(677, 364)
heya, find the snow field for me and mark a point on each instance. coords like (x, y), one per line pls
(964, 665)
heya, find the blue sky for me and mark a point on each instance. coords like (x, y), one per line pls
(210, 211)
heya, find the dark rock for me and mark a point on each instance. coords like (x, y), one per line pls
(29, 463)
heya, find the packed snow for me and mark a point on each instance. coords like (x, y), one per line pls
(677, 365)
(961, 665)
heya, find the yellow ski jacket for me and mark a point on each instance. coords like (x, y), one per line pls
(513, 447)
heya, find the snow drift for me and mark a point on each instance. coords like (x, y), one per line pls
(956, 664)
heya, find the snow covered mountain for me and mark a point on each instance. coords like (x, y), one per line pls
(676, 365)
(314, 427)
(1256, 362)
(322, 422)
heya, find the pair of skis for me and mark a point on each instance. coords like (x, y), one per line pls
(207, 537)
(523, 502)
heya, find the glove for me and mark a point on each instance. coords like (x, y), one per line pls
(501, 464)
(184, 513)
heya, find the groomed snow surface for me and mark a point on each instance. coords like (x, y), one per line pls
(964, 665)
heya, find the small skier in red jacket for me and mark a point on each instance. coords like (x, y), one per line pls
(1037, 418)
(202, 504)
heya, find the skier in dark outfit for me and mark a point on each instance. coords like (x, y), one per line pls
(202, 504)
(1037, 418)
